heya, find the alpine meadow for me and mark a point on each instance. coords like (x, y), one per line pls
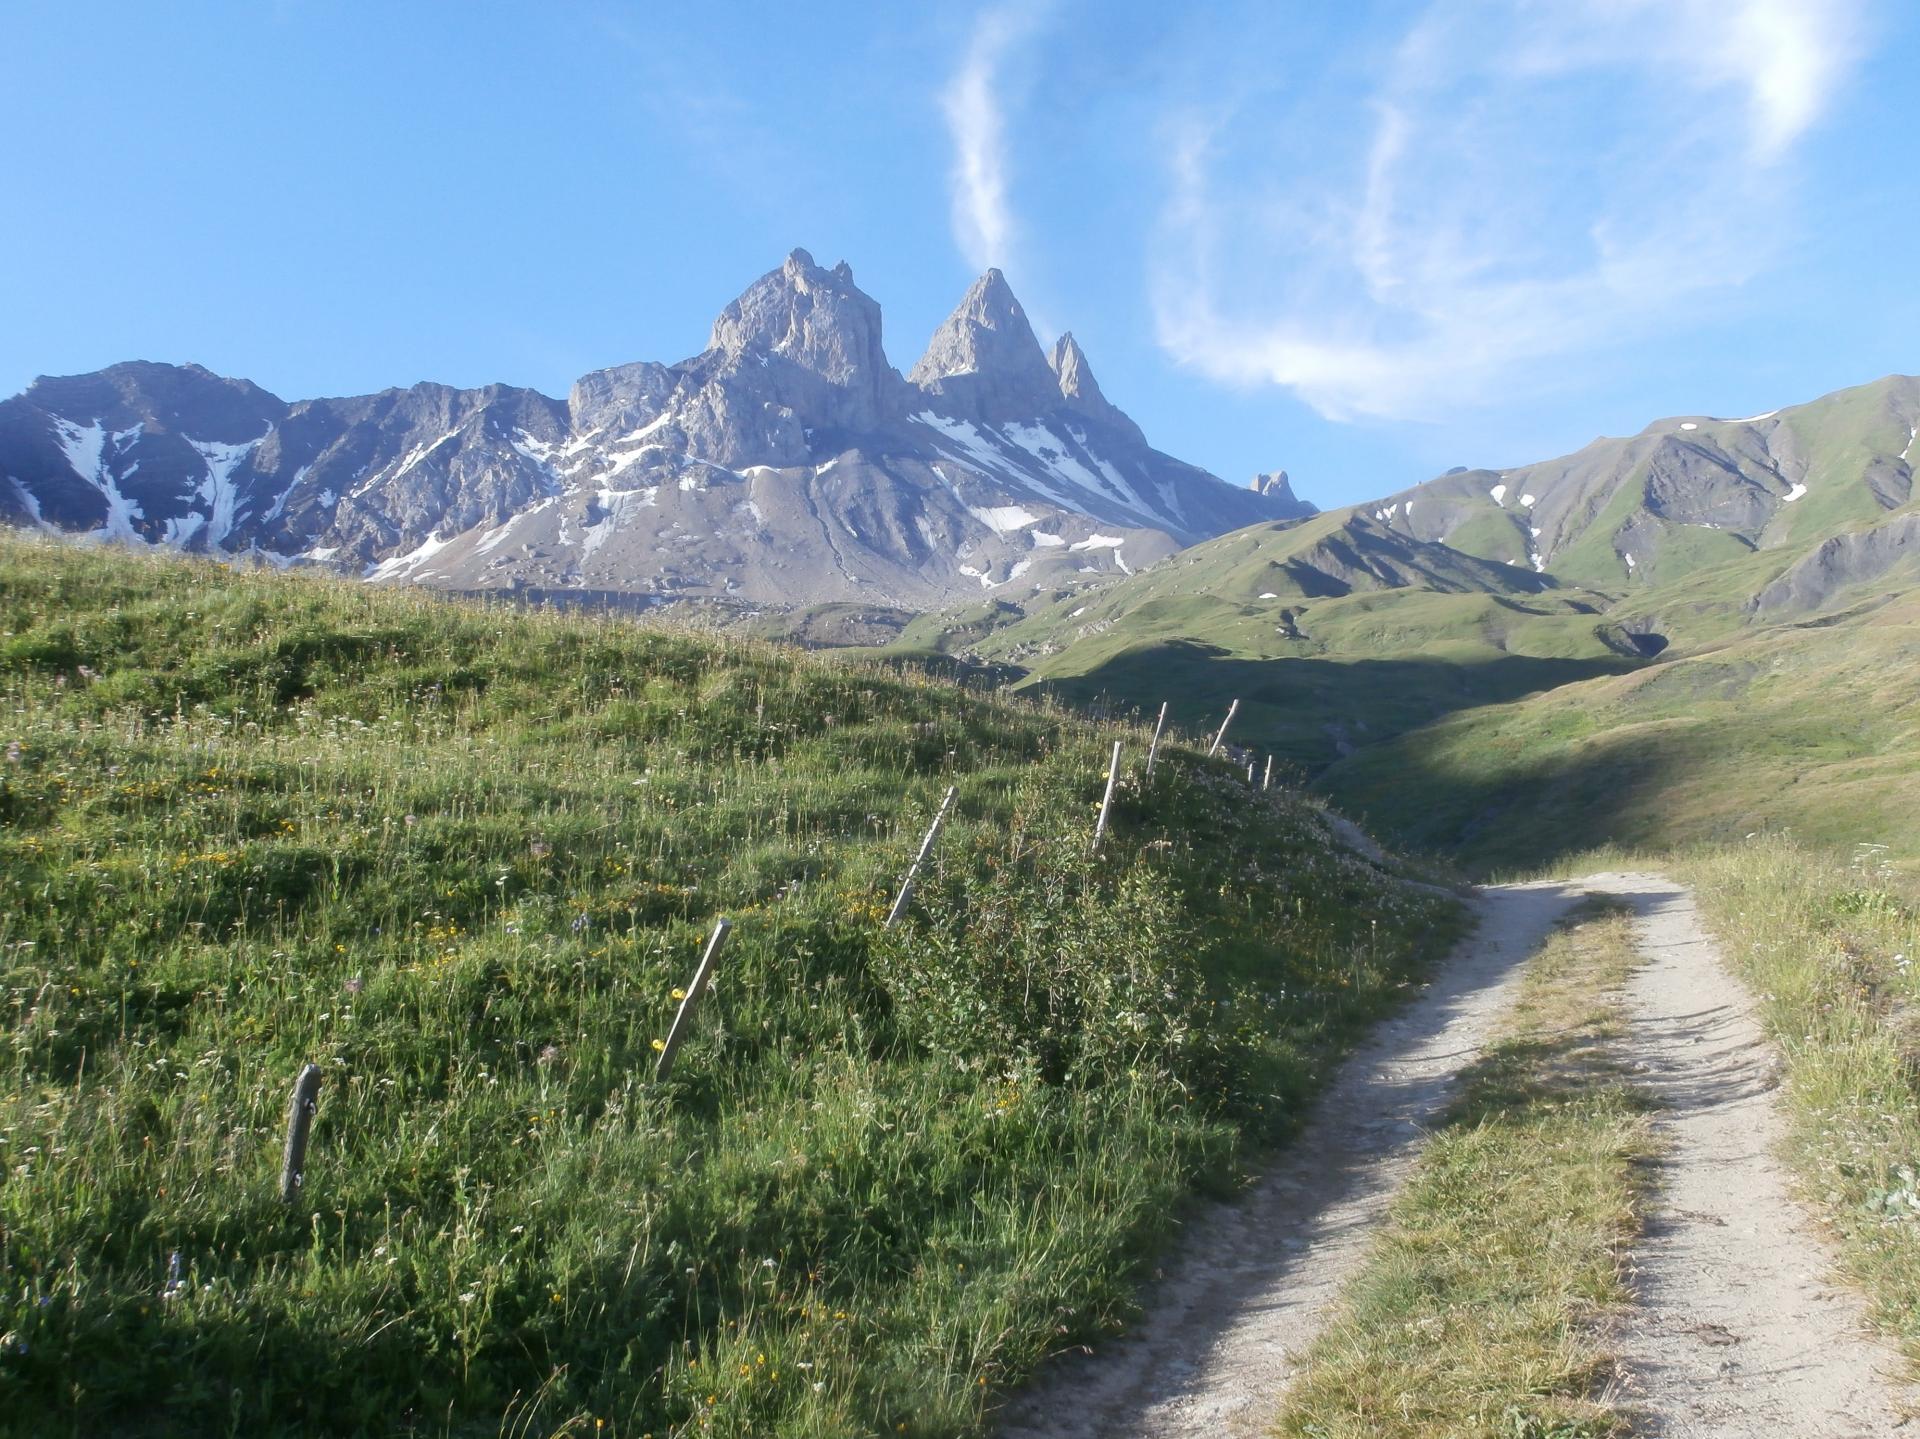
(1265, 786)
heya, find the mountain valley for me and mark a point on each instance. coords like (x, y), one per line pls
(1422, 657)
(1722, 608)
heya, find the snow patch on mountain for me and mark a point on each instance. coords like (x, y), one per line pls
(28, 501)
(401, 567)
(279, 506)
(218, 490)
(84, 446)
(1003, 519)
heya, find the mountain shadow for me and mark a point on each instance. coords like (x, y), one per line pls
(1311, 712)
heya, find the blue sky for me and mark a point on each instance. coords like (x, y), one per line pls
(1361, 242)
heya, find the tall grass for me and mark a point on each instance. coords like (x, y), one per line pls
(462, 858)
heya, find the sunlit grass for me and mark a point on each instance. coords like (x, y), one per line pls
(1475, 1314)
(462, 858)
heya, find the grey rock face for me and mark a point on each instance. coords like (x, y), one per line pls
(1843, 563)
(1082, 392)
(824, 325)
(984, 362)
(786, 463)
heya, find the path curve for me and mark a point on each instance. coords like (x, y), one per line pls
(1249, 1283)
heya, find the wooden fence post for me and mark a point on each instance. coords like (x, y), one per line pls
(1106, 803)
(1154, 748)
(696, 988)
(1214, 748)
(1266, 782)
(293, 1159)
(913, 870)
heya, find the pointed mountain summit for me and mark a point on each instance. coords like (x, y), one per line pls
(1274, 483)
(984, 361)
(1070, 367)
(1081, 391)
(800, 341)
(785, 464)
(819, 321)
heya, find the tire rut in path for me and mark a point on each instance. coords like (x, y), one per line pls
(1738, 1330)
(1250, 1283)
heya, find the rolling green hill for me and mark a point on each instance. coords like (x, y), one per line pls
(1695, 631)
(1333, 633)
(463, 859)
(1812, 728)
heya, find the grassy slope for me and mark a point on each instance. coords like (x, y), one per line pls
(1473, 1315)
(1526, 732)
(461, 858)
(1340, 671)
(1812, 728)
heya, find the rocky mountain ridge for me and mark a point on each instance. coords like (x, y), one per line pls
(1684, 494)
(787, 463)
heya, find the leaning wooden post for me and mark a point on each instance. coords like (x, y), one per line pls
(1154, 748)
(293, 1160)
(926, 848)
(1266, 782)
(1106, 803)
(1249, 774)
(696, 987)
(1215, 747)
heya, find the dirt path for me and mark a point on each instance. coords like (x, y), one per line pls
(1739, 1331)
(1248, 1287)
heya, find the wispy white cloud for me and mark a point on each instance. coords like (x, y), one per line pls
(1537, 182)
(983, 223)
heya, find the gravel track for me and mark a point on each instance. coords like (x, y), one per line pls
(1739, 1328)
(1737, 1331)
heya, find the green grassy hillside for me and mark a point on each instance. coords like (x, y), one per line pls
(1812, 728)
(1753, 666)
(1333, 633)
(462, 859)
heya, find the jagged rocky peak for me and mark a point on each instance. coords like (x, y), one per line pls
(596, 400)
(984, 360)
(816, 318)
(1069, 363)
(800, 349)
(1274, 483)
(1081, 391)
